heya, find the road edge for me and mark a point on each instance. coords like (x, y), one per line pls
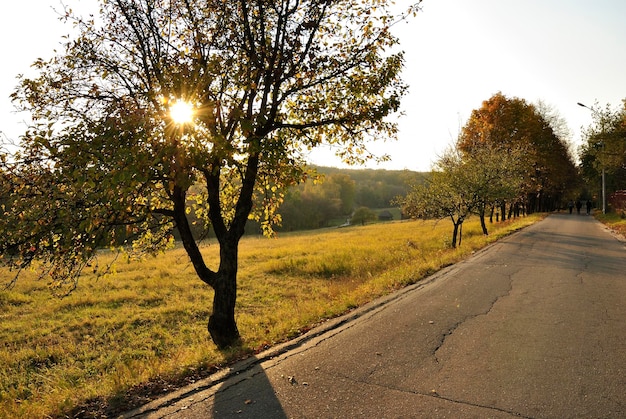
(327, 326)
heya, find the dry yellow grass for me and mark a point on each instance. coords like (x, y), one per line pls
(147, 322)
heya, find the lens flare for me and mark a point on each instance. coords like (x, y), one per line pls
(182, 112)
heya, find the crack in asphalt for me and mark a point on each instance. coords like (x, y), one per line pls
(466, 403)
(587, 261)
(467, 318)
(433, 395)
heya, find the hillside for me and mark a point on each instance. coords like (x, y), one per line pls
(331, 202)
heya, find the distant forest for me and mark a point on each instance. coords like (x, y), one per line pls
(337, 197)
(340, 193)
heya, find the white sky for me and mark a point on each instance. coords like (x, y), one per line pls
(458, 54)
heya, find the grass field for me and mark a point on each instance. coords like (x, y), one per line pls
(143, 329)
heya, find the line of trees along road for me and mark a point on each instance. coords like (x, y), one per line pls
(510, 157)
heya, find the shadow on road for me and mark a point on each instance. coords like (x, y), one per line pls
(245, 394)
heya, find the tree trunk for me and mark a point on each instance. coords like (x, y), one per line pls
(454, 234)
(222, 326)
(482, 222)
(481, 215)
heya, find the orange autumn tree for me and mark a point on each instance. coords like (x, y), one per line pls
(507, 124)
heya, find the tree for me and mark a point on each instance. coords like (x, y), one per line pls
(363, 215)
(310, 205)
(465, 183)
(493, 177)
(511, 123)
(605, 148)
(266, 80)
(447, 193)
(347, 191)
(316, 204)
(506, 150)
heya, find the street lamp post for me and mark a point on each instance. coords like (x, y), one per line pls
(603, 174)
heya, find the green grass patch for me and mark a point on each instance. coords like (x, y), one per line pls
(147, 322)
(614, 220)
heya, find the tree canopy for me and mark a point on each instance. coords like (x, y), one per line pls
(605, 148)
(511, 123)
(445, 194)
(266, 80)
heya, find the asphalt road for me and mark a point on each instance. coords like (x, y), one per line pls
(533, 327)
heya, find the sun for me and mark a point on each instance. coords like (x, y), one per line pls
(182, 112)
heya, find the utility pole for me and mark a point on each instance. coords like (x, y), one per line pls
(595, 113)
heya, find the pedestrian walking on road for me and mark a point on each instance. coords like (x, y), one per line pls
(588, 207)
(570, 205)
(579, 205)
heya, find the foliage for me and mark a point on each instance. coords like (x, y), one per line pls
(605, 148)
(445, 194)
(465, 183)
(507, 124)
(507, 153)
(268, 80)
(363, 215)
(313, 204)
(332, 197)
(142, 328)
(494, 178)
(377, 188)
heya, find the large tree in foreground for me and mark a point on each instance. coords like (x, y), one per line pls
(106, 160)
